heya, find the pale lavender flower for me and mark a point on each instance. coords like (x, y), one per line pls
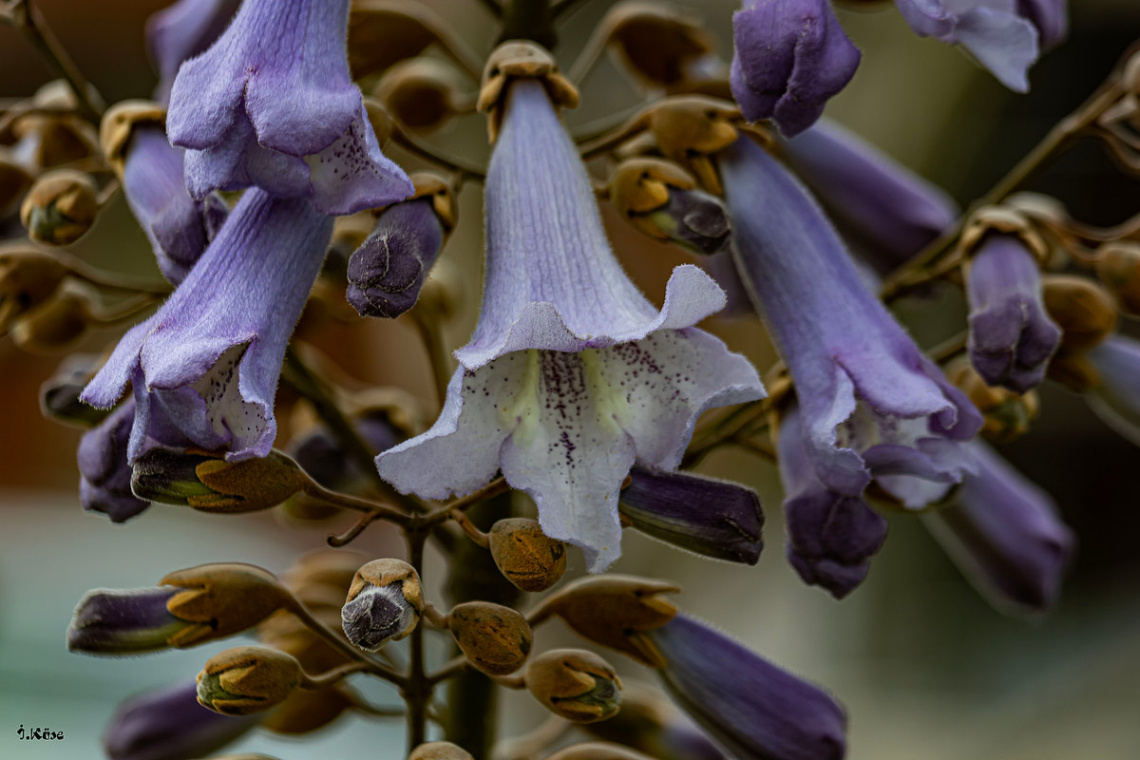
(204, 368)
(183, 30)
(386, 272)
(831, 536)
(1116, 395)
(890, 212)
(992, 31)
(1003, 533)
(105, 474)
(873, 405)
(272, 104)
(572, 376)
(791, 57)
(1011, 336)
(751, 707)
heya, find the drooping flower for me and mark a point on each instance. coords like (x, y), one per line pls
(1003, 533)
(105, 475)
(272, 104)
(204, 368)
(1050, 17)
(1115, 394)
(791, 57)
(873, 406)
(183, 30)
(992, 31)
(571, 376)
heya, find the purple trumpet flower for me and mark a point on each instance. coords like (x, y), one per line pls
(873, 406)
(1050, 17)
(124, 622)
(572, 376)
(1011, 335)
(1116, 396)
(204, 368)
(386, 272)
(179, 227)
(831, 536)
(105, 475)
(751, 707)
(272, 104)
(992, 31)
(169, 724)
(183, 30)
(1003, 533)
(889, 211)
(791, 57)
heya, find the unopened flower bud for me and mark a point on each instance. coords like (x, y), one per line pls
(660, 199)
(439, 751)
(60, 207)
(44, 140)
(209, 484)
(614, 611)
(27, 278)
(526, 556)
(597, 751)
(59, 394)
(124, 621)
(1007, 414)
(423, 94)
(105, 474)
(306, 711)
(223, 598)
(55, 325)
(495, 639)
(247, 680)
(574, 684)
(658, 45)
(1082, 309)
(380, 34)
(384, 604)
(1118, 266)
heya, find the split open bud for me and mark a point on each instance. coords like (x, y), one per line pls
(574, 684)
(526, 556)
(1118, 266)
(1083, 309)
(60, 207)
(614, 611)
(28, 278)
(423, 94)
(661, 200)
(1007, 414)
(495, 639)
(439, 751)
(384, 604)
(210, 484)
(248, 680)
(519, 59)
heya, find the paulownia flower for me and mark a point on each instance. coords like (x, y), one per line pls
(1115, 396)
(272, 104)
(873, 406)
(183, 30)
(572, 376)
(204, 368)
(105, 475)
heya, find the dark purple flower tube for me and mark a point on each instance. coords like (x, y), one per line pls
(204, 368)
(272, 104)
(116, 621)
(1003, 533)
(888, 210)
(753, 708)
(169, 724)
(105, 475)
(1116, 396)
(181, 31)
(386, 272)
(872, 405)
(710, 517)
(831, 536)
(1011, 335)
(791, 57)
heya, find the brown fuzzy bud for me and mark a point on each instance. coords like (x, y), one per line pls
(1074, 371)
(657, 44)
(525, 555)
(55, 325)
(27, 278)
(495, 639)
(613, 610)
(385, 602)
(49, 140)
(1083, 310)
(1118, 266)
(597, 751)
(429, 185)
(118, 124)
(521, 59)
(690, 129)
(423, 94)
(223, 599)
(439, 751)
(306, 711)
(60, 207)
(1007, 414)
(248, 486)
(574, 684)
(248, 680)
(384, 32)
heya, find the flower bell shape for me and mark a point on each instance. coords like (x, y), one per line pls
(272, 104)
(751, 707)
(991, 31)
(571, 376)
(1115, 396)
(183, 30)
(888, 210)
(105, 474)
(204, 367)
(831, 536)
(791, 57)
(1004, 534)
(1011, 336)
(873, 406)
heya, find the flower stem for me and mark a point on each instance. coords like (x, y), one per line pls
(417, 688)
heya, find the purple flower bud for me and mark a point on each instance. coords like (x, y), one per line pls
(105, 475)
(1011, 335)
(272, 104)
(1116, 396)
(694, 220)
(386, 272)
(1051, 17)
(710, 517)
(169, 724)
(992, 31)
(377, 615)
(181, 31)
(1003, 533)
(753, 708)
(114, 621)
(831, 536)
(791, 57)
(890, 211)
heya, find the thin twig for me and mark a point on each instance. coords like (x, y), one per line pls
(442, 514)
